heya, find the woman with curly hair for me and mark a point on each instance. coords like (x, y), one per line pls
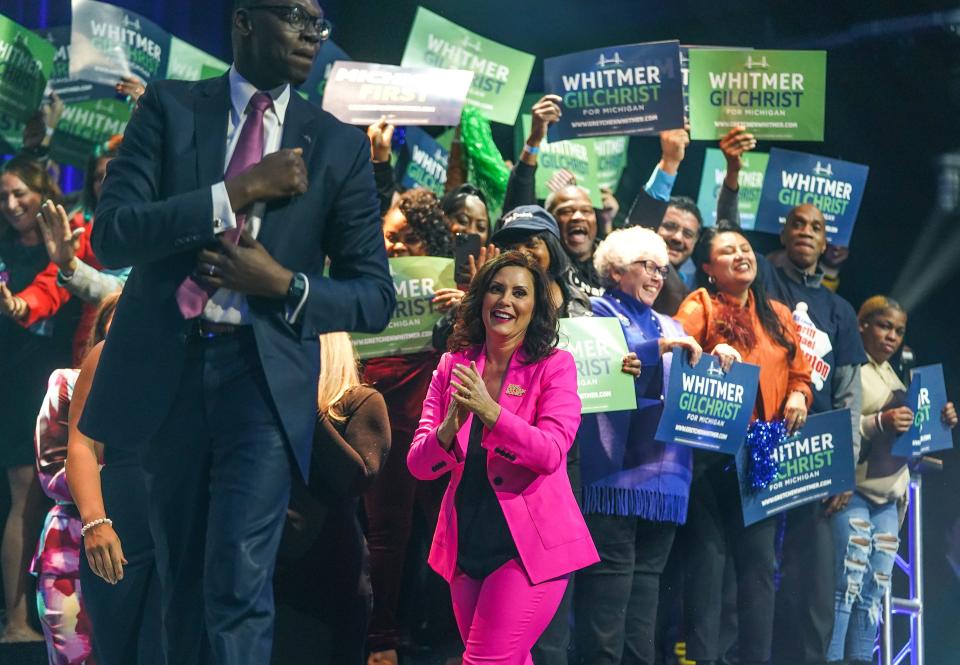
(415, 226)
(500, 416)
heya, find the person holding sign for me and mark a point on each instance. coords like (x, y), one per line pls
(510, 532)
(732, 316)
(635, 498)
(865, 531)
(415, 226)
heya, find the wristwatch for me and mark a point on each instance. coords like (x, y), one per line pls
(298, 286)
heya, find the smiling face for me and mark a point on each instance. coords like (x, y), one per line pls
(732, 265)
(472, 217)
(399, 238)
(268, 50)
(578, 222)
(679, 229)
(804, 236)
(636, 279)
(883, 333)
(19, 204)
(508, 304)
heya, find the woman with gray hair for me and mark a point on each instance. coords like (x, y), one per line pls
(635, 488)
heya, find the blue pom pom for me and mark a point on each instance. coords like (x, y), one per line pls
(763, 437)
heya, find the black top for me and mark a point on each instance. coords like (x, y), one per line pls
(484, 542)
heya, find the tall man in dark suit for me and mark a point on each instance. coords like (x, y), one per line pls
(227, 196)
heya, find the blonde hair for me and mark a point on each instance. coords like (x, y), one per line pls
(338, 373)
(875, 305)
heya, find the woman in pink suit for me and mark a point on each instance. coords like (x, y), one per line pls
(510, 532)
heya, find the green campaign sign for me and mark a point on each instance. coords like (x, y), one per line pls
(751, 184)
(188, 63)
(774, 94)
(598, 347)
(410, 330)
(26, 63)
(84, 125)
(500, 72)
(576, 156)
(611, 159)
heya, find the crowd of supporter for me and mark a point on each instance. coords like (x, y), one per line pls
(352, 583)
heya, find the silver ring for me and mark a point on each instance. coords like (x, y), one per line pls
(212, 271)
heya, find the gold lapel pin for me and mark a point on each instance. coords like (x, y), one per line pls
(515, 390)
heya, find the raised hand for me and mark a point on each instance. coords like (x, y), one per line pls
(543, 114)
(673, 146)
(380, 134)
(60, 240)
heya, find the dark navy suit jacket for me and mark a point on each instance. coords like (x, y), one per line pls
(156, 213)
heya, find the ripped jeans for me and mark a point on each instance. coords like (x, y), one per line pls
(866, 539)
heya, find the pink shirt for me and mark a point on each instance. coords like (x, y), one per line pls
(526, 463)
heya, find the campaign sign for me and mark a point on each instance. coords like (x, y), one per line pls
(500, 72)
(611, 159)
(774, 94)
(685, 72)
(816, 462)
(11, 134)
(751, 184)
(423, 162)
(84, 125)
(927, 396)
(26, 63)
(707, 407)
(68, 89)
(598, 347)
(630, 89)
(316, 83)
(576, 156)
(359, 93)
(188, 63)
(835, 187)
(108, 42)
(415, 279)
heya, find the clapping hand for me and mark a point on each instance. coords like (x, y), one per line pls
(471, 393)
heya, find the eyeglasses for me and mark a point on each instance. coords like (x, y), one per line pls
(652, 268)
(299, 19)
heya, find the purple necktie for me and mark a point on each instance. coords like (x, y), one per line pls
(191, 296)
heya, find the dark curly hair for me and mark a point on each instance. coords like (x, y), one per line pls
(542, 334)
(768, 318)
(421, 208)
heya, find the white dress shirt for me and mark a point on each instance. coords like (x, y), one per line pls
(226, 306)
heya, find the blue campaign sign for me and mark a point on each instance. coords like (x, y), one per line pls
(927, 396)
(815, 463)
(832, 185)
(707, 407)
(423, 162)
(631, 89)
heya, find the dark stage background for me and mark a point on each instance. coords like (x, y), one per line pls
(893, 102)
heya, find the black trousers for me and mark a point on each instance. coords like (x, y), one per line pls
(615, 600)
(803, 622)
(715, 530)
(218, 486)
(125, 616)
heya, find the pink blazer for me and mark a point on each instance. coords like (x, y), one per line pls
(526, 463)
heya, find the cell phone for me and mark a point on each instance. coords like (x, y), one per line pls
(465, 245)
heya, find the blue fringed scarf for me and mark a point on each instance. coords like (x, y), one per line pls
(625, 471)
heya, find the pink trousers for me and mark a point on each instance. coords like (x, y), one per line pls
(501, 616)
